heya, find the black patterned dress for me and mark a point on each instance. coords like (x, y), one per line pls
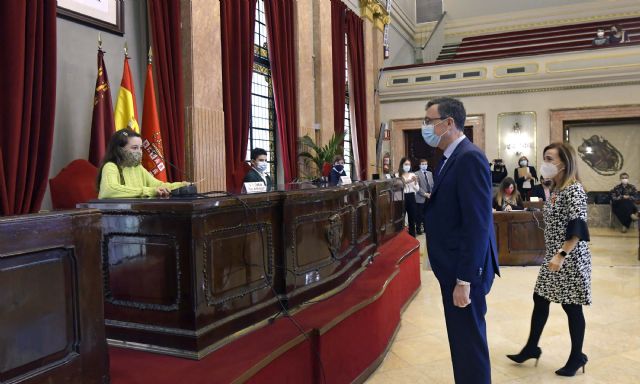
(565, 216)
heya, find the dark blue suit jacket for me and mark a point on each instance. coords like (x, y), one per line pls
(460, 235)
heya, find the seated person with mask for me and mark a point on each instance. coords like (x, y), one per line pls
(259, 166)
(337, 171)
(543, 190)
(122, 175)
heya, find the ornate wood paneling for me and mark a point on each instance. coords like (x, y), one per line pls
(51, 316)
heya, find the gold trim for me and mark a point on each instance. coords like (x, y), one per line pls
(338, 319)
(550, 23)
(592, 57)
(413, 75)
(507, 66)
(374, 11)
(364, 375)
(515, 91)
(246, 375)
(535, 133)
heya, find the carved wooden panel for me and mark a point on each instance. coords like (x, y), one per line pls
(42, 314)
(152, 261)
(51, 311)
(237, 262)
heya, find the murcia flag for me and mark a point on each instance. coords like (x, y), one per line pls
(126, 114)
(102, 121)
(152, 157)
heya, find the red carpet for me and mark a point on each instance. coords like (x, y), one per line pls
(344, 335)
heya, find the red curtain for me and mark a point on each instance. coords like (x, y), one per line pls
(358, 95)
(165, 27)
(338, 30)
(280, 27)
(27, 102)
(237, 23)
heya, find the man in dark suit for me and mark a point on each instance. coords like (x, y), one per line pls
(460, 238)
(259, 167)
(425, 181)
(541, 191)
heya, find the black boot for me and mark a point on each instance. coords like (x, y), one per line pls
(573, 365)
(526, 354)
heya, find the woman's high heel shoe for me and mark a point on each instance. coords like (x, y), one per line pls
(572, 366)
(526, 354)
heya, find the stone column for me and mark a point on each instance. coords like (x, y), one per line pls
(323, 70)
(204, 115)
(306, 86)
(375, 19)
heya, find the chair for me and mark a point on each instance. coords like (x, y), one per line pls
(75, 183)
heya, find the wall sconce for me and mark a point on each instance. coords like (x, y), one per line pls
(517, 141)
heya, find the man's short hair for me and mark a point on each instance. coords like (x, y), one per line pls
(449, 107)
(257, 152)
(337, 158)
(423, 161)
(624, 174)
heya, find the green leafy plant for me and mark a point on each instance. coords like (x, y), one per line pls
(322, 154)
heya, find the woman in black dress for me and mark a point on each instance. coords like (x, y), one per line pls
(525, 176)
(565, 274)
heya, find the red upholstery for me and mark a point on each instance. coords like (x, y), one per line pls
(75, 183)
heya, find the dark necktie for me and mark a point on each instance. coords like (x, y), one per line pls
(426, 179)
(441, 165)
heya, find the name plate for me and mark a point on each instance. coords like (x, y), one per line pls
(255, 187)
(345, 180)
(387, 176)
(534, 199)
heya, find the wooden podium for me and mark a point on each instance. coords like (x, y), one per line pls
(183, 277)
(520, 237)
(51, 315)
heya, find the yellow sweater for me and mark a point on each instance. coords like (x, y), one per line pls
(138, 182)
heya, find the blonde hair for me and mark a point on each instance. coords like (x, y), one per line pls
(567, 155)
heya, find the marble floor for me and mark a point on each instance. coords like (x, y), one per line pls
(420, 351)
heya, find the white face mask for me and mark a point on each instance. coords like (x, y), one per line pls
(406, 168)
(549, 170)
(262, 166)
(424, 167)
(624, 181)
(523, 163)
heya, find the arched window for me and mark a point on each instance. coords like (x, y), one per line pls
(262, 132)
(348, 147)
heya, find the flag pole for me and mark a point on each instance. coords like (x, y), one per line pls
(126, 49)
(99, 41)
(150, 55)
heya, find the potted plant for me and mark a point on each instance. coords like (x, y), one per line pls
(323, 156)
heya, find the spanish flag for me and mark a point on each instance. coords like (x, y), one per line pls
(126, 113)
(152, 157)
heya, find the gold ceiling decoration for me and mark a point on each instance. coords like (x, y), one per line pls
(374, 11)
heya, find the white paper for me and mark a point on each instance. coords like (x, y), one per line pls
(345, 180)
(255, 187)
(526, 184)
(534, 199)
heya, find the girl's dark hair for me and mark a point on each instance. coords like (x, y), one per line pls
(402, 161)
(114, 155)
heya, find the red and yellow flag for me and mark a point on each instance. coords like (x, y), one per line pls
(152, 157)
(126, 113)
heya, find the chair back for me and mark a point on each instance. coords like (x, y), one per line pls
(74, 184)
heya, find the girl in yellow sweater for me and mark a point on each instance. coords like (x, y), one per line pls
(122, 176)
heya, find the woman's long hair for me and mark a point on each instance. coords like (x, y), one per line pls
(568, 157)
(402, 161)
(114, 154)
(515, 195)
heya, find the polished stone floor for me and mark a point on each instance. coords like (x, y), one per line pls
(420, 351)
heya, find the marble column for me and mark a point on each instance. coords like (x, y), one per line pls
(204, 114)
(323, 70)
(306, 87)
